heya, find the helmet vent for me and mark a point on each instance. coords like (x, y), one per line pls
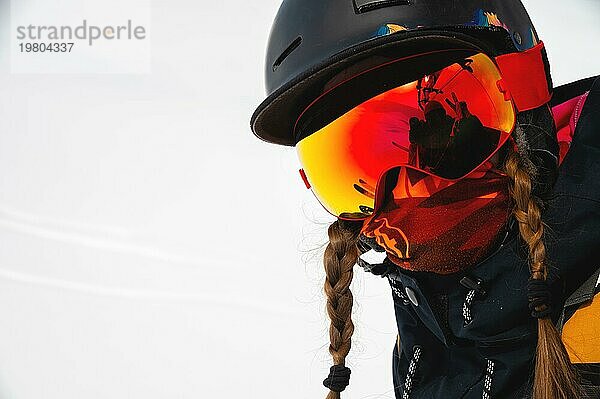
(362, 6)
(293, 46)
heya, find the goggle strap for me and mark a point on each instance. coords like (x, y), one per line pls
(525, 77)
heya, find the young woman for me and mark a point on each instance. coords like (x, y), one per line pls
(432, 131)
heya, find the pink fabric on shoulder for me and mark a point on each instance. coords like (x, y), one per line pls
(566, 116)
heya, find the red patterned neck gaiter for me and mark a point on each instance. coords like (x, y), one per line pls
(435, 225)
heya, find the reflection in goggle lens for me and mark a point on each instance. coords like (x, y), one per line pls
(445, 123)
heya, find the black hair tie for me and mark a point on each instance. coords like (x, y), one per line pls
(338, 379)
(538, 294)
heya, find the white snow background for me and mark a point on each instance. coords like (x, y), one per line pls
(152, 247)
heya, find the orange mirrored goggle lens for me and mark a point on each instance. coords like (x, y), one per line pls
(446, 123)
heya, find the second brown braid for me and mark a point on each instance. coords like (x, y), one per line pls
(555, 377)
(339, 259)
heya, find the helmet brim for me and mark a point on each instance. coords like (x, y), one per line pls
(273, 120)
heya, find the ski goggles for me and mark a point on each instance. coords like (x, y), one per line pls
(444, 113)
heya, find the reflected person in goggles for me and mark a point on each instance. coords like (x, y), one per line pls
(449, 147)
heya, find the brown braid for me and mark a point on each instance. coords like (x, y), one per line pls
(555, 377)
(340, 257)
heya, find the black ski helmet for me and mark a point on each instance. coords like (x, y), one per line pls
(313, 40)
